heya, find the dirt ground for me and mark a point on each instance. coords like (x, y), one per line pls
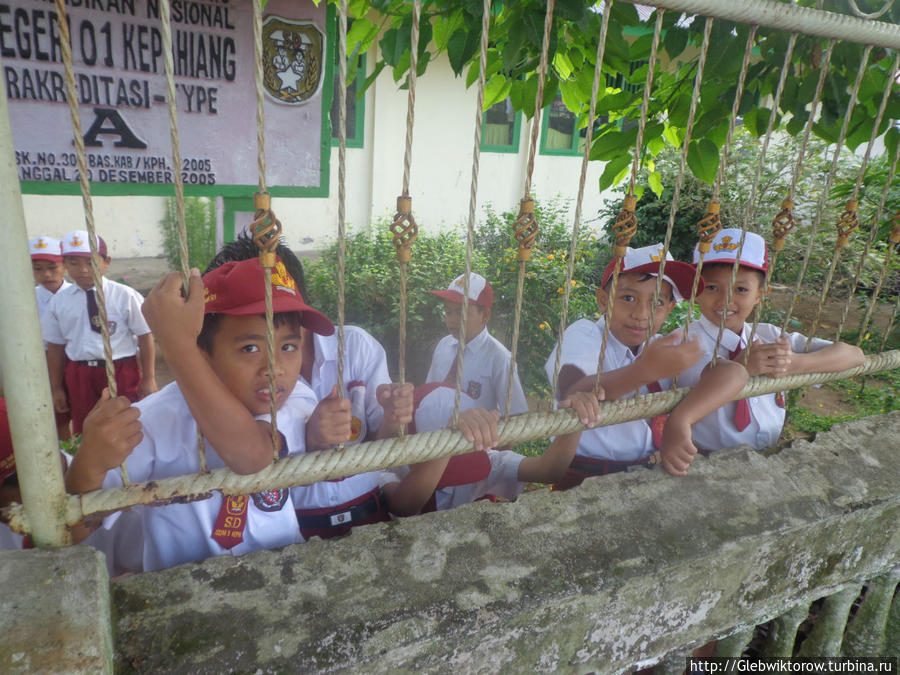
(143, 273)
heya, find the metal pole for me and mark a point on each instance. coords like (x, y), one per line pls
(26, 382)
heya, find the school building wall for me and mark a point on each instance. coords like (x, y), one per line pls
(440, 176)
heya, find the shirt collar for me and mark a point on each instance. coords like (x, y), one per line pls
(476, 341)
(730, 339)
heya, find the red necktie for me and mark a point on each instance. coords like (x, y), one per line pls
(742, 413)
(657, 423)
(451, 374)
(228, 530)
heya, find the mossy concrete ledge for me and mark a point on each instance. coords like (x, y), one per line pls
(54, 612)
(624, 569)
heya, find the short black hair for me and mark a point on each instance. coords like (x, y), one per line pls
(244, 248)
(211, 324)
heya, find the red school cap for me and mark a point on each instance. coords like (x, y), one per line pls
(238, 289)
(480, 291)
(45, 248)
(76, 244)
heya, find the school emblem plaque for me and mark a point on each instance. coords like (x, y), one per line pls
(293, 54)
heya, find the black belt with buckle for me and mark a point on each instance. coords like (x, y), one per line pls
(93, 363)
(340, 516)
(602, 467)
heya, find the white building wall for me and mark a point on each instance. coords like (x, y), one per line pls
(440, 176)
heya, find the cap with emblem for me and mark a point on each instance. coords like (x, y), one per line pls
(45, 248)
(238, 289)
(646, 259)
(724, 249)
(480, 291)
(76, 244)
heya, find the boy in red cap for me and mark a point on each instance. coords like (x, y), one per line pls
(72, 329)
(486, 361)
(630, 369)
(755, 421)
(49, 274)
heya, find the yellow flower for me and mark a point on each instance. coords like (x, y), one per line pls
(543, 325)
(560, 290)
(573, 282)
(550, 256)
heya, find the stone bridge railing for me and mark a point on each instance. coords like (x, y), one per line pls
(627, 570)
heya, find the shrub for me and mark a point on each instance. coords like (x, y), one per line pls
(200, 223)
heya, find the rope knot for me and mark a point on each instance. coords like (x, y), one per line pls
(266, 229)
(847, 223)
(709, 226)
(525, 228)
(404, 228)
(626, 225)
(782, 224)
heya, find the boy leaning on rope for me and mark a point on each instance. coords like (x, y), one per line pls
(755, 421)
(630, 368)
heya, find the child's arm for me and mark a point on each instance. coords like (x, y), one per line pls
(663, 358)
(330, 423)
(111, 431)
(397, 402)
(56, 365)
(148, 364)
(551, 466)
(407, 497)
(244, 444)
(717, 386)
(831, 359)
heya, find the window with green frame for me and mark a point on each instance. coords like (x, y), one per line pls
(356, 110)
(500, 128)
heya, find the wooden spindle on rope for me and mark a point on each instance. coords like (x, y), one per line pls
(707, 229)
(525, 229)
(266, 229)
(404, 230)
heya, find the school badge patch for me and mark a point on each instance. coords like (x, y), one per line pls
(292, 59)
(270, 500)
(474, 389)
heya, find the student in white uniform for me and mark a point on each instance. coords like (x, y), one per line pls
(630, 369)
(215, 345)
(756, 421)
(49, 274)
(494, 473)
(486, 361)
(371, 407)
(72, 329)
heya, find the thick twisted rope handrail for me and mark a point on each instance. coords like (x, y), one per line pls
(784, 222)
(308, 468)
(645, 102)
(165, 15)
(790, 17)
(873, 231)
(848, 221)
(78, 140)
(526, 226)
(473, 200)
(579, 199)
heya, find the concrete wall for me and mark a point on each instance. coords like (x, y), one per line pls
(624, 569)
(439, 184)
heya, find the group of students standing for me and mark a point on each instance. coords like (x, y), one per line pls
(214, 341)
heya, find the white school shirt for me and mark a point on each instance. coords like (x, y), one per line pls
(435, 412)
(43, 296)
(717, 430)
(66, 322)
(485, 372)
(365, 367)
(180, 533)
(624, 442)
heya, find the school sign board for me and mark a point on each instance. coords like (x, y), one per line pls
(122, 96)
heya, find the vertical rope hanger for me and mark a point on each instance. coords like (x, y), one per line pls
(784, 222)
(404, 227)
(585, 158)
(889, 328)
(679, 180)
(473, 200)
(893, 239)
(266, 227)
(525, 227)
(626, 223)
(848, 221)
(78, 139)
(183, 254)
(342, 190)
(720, 177)
(873, 230)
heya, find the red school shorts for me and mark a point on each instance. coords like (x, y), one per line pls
(86, 383)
